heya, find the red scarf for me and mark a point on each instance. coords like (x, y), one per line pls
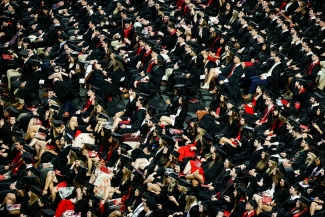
(151, 64)
(266, 114)
(16, 163)
(302, 90)
(88, 104)
(145, 55)
(311, 67)
(139, 50)
(185, 10)
(126, 31)
(180, 3)
(172, 33)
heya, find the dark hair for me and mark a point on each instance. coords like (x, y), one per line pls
(143, 102)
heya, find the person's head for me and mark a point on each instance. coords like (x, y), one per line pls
(149, 205)
(234, 172)
(171, 27)
(141, 103)
(181, 39)
(314, 57)
(294, 190)
(250, 205)
(228, 164)
(306, 142)
(254, 32)
(19, 145)
(56, 20)
(277, 58)
(91, 93)
(237, 59)
(258, 142)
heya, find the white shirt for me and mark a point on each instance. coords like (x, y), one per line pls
(137, 210)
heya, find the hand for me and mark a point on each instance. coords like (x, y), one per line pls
(78, 112)
(23, 84)
(221, 82)
(123, 126)
(227, 198)
(171, 198)
(2, 122)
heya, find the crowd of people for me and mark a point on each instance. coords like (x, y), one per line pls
(257, 149)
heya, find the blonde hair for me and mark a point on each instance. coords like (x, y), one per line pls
(200, 134)
(33, 198)
(189, 201)
(126, 175)
(173, 182)
(311, 160)
(184, 189)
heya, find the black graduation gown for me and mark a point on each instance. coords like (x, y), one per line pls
(210, 173)
(108, 88)
(31, 85)
(64, 88)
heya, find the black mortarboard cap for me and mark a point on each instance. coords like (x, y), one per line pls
(253, 203)
(27, 157)
(127, 20)
(171, 174)
(46, 201)
(308, 140)
(141, 189)
(57, 123)
(191, 193)
(14, 4)
(167, 138)
(305, 200)
(154, 120)
(275, 159)
(29, 148)
(175, 154)
(18, 134)
(232, 102)
(241, 188)
(128, 166)
(317, 96)
(90, 147)
(24, 53)
(95, 212)
(95, 199)
(89, 186)
(184, 183)
(36, 190)
(208, 137)
(156, 49)
(13, 112)
(94, 21)
(234, 109)
(151, 202)
(36, 62)
(116, 136)
(81, 63)
(94, 89)
(297, 187)
(48, 212)
(125, 147)
(83, 158)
